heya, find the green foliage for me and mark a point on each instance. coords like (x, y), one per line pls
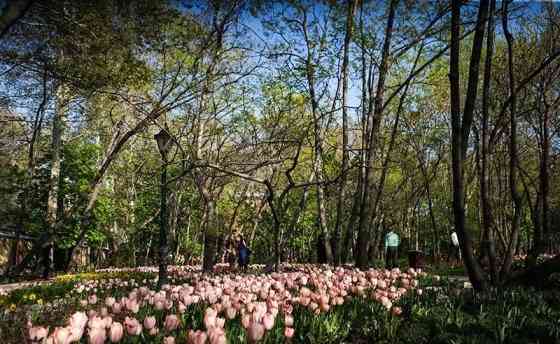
(118, 64)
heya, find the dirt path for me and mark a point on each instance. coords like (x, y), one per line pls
(9, 287)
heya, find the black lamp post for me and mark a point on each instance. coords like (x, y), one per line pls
(163, 140)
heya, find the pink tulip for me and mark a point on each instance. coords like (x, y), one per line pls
(96, 322)
(210, 317)
(169, 340)
(268, 321)
(132, 305)
(313, 306)
(38, 332)
(154, 331)
(133, 326)
(304, 291)
(159, 305)
(386, 302)
(117, 307)
(61, 335)
(149, 322)
(289, 320)
(91, 313)
(182, 308)
(92, 299)
(197, 337)
(231, 312)
(188, 300)
(116, 332)
(396, 311)
(97, 335)
(217, 335)
(255, 332)
(289, 332)
(78, 320)
(171, 322)
(246, 320)
(168, 304)
(109, 301)
(304, 301)
(76, 333)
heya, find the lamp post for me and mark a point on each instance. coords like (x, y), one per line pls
(163, 140)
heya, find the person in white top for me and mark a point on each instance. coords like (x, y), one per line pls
(455, 253)
(454, 239)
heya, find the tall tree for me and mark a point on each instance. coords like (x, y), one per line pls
(487, 221)
(461, 127)
(345, 148)
(375, 118)
(513, 150)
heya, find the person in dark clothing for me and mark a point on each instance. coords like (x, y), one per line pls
(244, 253)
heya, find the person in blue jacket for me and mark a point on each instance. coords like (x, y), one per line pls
(392, 242)
(244, 253)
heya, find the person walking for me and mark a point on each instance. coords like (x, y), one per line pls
(392, 242)
(455, 249)
(243, 252)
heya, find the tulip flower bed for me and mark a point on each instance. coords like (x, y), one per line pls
(199, 308)
(519, 261)
(301, 304)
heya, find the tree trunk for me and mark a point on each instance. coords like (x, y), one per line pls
(460, 130)
(513, 154)
(433, 219)
(541, 213)
(348, 244)
(36, 134)
(173, 202)
(375, 122)
(544, 177)
(53, 211)
(256, 220)
(163, 233)
(210, 237)
(385, 166)
(345, 149)
(487, 221)
(318, 147)
(301, 209)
